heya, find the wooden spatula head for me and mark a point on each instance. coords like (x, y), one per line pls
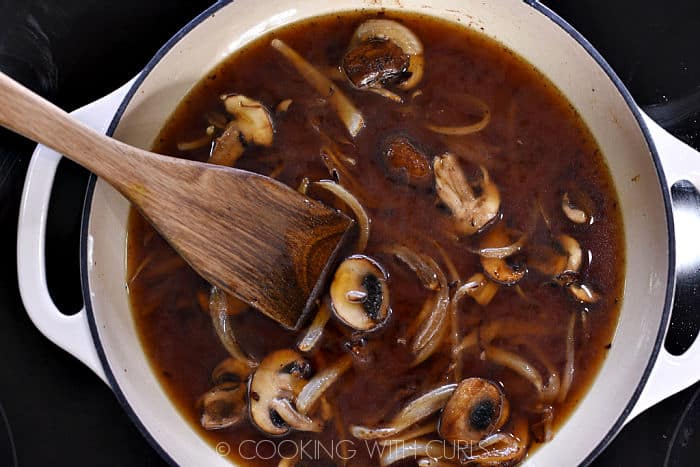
(250, 235)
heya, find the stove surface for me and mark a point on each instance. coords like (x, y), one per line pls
(56, 412)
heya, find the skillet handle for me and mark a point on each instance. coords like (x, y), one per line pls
(671, 373)
(71, 333)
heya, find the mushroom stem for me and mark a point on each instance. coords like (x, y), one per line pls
(294, 419)
(346, 110)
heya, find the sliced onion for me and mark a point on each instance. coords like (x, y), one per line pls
(219, 310)
(435, 462)
(317, 385)
(432, 330)
(502, 251)
(315, 331)
(346, 110)
(392, 96)
(194, 144)
(416, 448)
(426, 268)
(409, 435)
(449, 264)
(414, 412)
(290, 461)
(552, 388)
(462, 130)
(569, 366)
(357, 209)
(516, 363)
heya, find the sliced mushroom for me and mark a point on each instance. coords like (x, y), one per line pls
(583, 293)
(375, 62)
(577, 207)
(360, 294)
(496, 266)
(472, 213)
(573, 252)
(381, 52)
(404, 162)
(223, 406)
(228, 147)
(272, 392)
(478, 287)
(477, 409)
(547, 259)
(252, 125)
(230, 370)
(252, 119)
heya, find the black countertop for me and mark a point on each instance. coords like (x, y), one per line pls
(74, 51)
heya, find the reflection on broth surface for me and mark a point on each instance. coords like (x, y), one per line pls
(487, 276)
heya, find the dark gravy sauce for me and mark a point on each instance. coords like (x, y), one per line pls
(535, 149)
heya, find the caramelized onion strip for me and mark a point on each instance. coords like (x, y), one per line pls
(315, 330)
(415, 411)
(409, 435)
(416, 448)
(426, 268)
(317, 385)
(569, 366)
(218, 308)
(360, 214)
(501, 252)
(346, 110)
(195, 143)
(516, 363)
(462, 130)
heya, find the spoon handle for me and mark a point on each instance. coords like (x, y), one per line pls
(32, 116)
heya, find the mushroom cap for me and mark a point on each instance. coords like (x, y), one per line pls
(223, 406)
(360, 294)
(404, 162)
(280, 376)
(375, 62)
(410, 44)
(476, 409)
(251, 118)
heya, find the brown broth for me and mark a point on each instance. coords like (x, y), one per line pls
(535, 147)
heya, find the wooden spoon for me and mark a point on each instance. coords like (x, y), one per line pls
(250, 235)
